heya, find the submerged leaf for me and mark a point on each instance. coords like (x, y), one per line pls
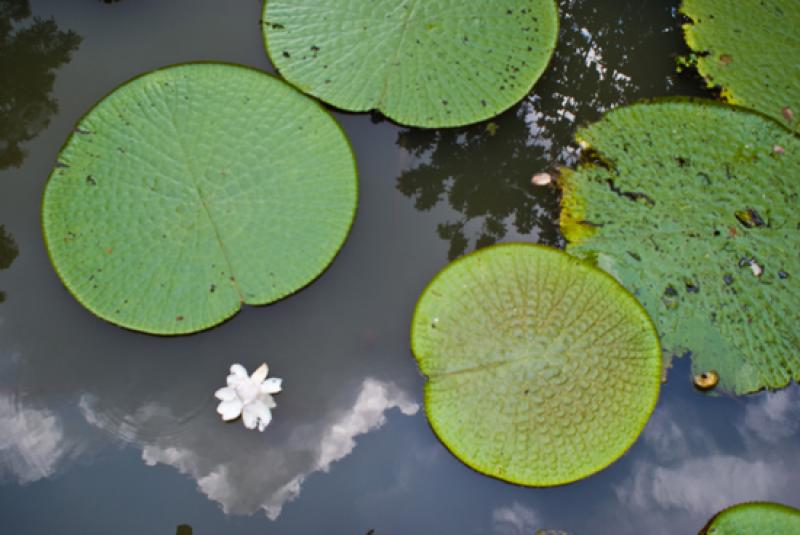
(749, 48)
(755, 519)
(693, 211)
(428, 63)
(194, 189)
(541, 368)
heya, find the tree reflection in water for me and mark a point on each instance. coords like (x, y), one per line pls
(8, 252)
(31, 49)
(484, 171)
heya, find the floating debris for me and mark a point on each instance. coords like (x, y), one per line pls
(542, 179)
(706, 380)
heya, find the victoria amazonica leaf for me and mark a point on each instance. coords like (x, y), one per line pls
(754, 519)
(541, 368)
(693, 206)
(750, 48)
(192, 190)
(429, 63)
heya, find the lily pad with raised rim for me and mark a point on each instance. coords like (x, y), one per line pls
(194, 189)
(430, 63)
(693, 206)
(541, 369)
(750, 49)
(755, 519)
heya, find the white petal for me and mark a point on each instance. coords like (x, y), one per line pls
(230, 410)
(260, 374)
(234, 380)
(225, 394)
(249, 417)
(273, 385)
(264, 421)
(239, 370)
(267, 400)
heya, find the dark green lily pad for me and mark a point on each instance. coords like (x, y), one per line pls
(751, 51)
(429, 63)
(194, 189)
(693, 207)
(755, 519)
(541, 369)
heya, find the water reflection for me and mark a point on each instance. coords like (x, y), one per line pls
(8, 253)
(268, 470)
(31, 49)
(484, 171)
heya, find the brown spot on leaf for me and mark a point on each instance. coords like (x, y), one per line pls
(725, 59)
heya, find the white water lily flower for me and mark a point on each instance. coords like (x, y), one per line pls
(248, 396)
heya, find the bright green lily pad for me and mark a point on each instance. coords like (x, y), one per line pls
(694, 208)
(430, 63)
(751, 51)
(541, 368)
(194, 189)
(755, 519)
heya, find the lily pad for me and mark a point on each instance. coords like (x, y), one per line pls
(431, 63)
(541, 368)
(194, 189)
(755, 518)
(692, 205)
(750, 50)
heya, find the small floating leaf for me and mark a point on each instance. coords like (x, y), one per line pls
(200, 187)
(428, 63)
(755, 519)
(541, 369)
(705, 252)
(750, 50)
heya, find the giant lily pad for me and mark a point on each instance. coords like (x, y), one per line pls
(425, 63)
(194, 189)
(541, 368)
(749, 48)
(755, 518)
(693, 207)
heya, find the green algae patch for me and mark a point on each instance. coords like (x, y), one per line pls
(541, 368)
(755, 518)
(750, 50)
(194, 189)
(694, 208)
(432, 63)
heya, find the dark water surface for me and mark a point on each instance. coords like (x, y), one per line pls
(108, 431)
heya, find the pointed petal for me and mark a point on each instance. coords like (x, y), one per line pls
(230, 410)
(225, 394)
(260, 374)
(250, 416)
(239, 370)
(267, 400)
(264, 421)
(273, 385)
(233, 380)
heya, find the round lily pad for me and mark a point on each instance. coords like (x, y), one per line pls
(431, 63)
(693, 207)
(755, 518)
(541, 368)
(194, 189)
(749, 49)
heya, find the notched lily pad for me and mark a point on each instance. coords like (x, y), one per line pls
(541, 369)
(695, 213)
(429, 63)
(750, 50)
(194, 189)
(755, 518)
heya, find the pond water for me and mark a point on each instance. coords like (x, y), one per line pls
(103, 430)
